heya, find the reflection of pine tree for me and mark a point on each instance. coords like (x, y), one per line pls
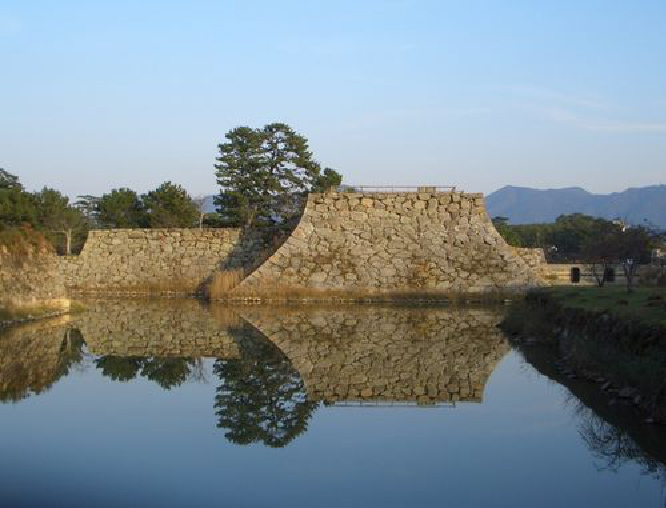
(166, 372)
(261, 398)
(119, 368)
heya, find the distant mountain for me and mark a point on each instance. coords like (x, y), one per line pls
(523, 205)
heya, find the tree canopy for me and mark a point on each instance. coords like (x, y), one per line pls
(566, 239)
(265, 173)
(56, 216)
(170, 206)
(122, 208)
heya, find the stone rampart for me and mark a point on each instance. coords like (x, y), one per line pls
(149, 260)
(33, 279)
(387, 242)
(534, 258)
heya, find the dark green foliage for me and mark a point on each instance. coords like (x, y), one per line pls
(120, 368)
(58, 219)
(166, 372)
(329, 179)
(122, 208)
(503, 228)
(170, 206)
(66, 225)
(564, 240)
(261, 398)
(47, 211)
(264, 174)
(17, 207)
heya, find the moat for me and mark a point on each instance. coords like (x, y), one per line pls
(175, 403)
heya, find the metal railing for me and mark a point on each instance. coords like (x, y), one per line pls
(394, 188)
(398, 404)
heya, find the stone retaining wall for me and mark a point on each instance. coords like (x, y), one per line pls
(33, 279)
(387, 242)
(155, 260)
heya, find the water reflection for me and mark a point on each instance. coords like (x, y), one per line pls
(261, 397)
(273, 367)
(34, 356)
(613, 446)
(384, 354)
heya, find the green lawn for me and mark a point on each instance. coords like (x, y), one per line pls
(647, 304)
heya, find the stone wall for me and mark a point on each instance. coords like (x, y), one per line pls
(32, 279)
(155, 260)
(385, 242)
(559, 274)
(534, 258)
(386, 354)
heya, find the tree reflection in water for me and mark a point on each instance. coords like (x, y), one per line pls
(612, 445)
(166, 372)
(261, 398)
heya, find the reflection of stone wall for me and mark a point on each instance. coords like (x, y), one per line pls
(393, 242)
(31, 357)
(158, 328)
(386, 354)
(145, 260)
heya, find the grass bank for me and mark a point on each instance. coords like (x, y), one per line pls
(602, 335)
(646, 304)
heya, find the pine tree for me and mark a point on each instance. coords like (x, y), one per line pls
(264, 174)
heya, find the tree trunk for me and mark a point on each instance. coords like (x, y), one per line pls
(629, 272)
(68, 242)
(600, 279)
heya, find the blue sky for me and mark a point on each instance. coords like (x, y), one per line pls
(95, 95)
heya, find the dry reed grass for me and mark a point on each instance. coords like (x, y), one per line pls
(222, 282)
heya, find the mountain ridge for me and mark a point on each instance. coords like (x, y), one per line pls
(525, 205)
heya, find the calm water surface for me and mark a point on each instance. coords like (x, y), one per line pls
(175, 404)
